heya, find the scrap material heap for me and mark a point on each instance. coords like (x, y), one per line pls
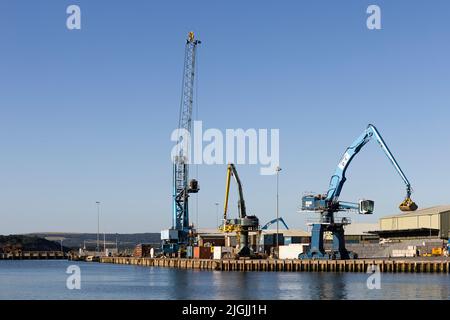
(327, 204)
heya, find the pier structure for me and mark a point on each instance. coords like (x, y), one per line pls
(294, 265)
(33, 255)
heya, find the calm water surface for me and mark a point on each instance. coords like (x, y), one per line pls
(47, 280)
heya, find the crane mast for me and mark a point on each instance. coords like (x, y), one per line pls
(178, 236)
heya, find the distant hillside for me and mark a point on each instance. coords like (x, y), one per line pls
(13, 243)
(79, 240)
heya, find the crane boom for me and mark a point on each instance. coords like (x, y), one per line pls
(338, 179)
(231, 171)
(268, 224)
(327, 204)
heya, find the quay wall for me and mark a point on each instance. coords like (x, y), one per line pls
(295, 265)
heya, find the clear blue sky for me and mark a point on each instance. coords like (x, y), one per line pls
(87, 115)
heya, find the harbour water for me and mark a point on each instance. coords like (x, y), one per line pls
(46, 279)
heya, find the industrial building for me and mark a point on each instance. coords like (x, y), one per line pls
(433, 222)
(264, 240)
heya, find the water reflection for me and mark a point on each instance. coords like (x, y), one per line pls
(263, 285)
(328, 286)
(46, 280)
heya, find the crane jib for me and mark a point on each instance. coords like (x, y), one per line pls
(338, 179)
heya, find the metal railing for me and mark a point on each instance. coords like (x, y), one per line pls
(343, 220)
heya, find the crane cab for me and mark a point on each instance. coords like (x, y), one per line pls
(193, 186)
(366, 206)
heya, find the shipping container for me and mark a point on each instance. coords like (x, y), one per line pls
(217, 253)
(203, 252)
(189, 252)
(142, 250)
(220, 252)
(293, 250)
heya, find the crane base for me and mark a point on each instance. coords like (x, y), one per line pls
(244, 252)
(317, 250)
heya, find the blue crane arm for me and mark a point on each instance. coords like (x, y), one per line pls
(338, 179)
(268, 224)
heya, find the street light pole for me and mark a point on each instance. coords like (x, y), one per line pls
(278, 169)
(98, 226)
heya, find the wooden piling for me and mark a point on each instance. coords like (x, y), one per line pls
(271, 265)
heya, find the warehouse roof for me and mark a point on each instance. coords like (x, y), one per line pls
(358, 229)
(425, 211)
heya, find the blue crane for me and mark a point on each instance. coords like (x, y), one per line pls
(327, 204)
(271, 222)
(181, 233)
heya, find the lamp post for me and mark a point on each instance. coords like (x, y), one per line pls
(98, 227)
(278, 169)
(217, 213)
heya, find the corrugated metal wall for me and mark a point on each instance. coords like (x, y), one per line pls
(411, 222)
(435, 221)
(445, 224)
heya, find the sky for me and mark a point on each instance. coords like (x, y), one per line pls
(86, 115)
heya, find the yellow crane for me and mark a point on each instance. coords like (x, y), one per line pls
(243, 224)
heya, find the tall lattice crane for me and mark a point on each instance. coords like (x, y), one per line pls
(176, 238)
